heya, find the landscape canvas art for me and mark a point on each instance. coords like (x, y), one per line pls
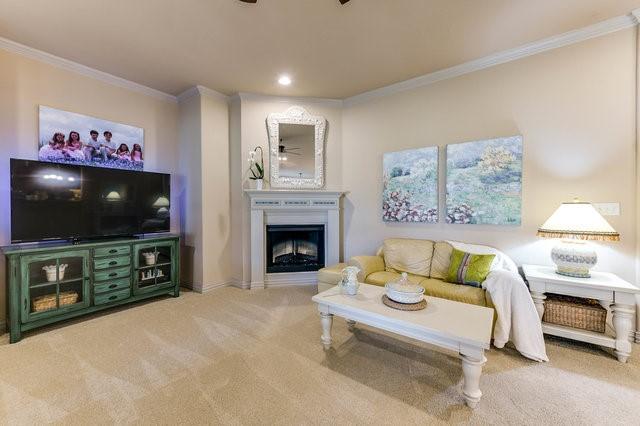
(72, 138)
(484, 182)
(410, 186)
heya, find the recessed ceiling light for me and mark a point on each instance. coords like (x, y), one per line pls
(284, 80)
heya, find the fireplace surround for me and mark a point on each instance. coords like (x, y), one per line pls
(309, 210)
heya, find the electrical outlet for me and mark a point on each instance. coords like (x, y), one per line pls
(608, 209)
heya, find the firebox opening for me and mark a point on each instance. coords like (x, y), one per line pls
(295, 248)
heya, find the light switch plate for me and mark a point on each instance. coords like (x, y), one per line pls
(608, 209)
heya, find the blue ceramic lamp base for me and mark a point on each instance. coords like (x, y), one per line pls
(574, 258)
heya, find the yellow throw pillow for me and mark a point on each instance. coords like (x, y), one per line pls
(408, 255)
(441, 260)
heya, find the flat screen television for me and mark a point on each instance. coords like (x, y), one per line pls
(67, 202)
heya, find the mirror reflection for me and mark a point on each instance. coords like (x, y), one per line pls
(296, 156)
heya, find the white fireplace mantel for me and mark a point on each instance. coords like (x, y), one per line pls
(292, 207)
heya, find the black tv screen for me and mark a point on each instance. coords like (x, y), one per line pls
(65, 202)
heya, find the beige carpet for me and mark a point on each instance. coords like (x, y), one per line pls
(254, 357)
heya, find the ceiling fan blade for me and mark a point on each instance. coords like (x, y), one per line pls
(344, 1)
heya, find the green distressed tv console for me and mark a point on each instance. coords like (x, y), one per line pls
(51, 282)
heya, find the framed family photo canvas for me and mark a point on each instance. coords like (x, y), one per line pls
(410, 185)
(484, 182)
(72, 138)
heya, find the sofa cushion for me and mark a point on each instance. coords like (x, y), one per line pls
(469, 269)
(381, 278)
(458, 293)
(441, 260)
(331, 274)
(408, 255)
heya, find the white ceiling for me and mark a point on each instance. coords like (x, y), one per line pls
(330, 50)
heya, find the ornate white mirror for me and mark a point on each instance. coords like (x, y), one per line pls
(296, 149)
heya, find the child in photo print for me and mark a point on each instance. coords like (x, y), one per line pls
(67, 137)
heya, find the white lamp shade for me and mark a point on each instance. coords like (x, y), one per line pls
(113, 196)
(161, 202)
(578, 220)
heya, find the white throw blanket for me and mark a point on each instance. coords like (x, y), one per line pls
(518, 319)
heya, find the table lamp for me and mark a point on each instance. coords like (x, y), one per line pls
(575, 223)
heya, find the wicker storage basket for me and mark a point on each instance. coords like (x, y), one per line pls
(44, 303)
(585, 314)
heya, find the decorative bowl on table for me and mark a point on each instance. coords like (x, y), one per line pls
(403, 292)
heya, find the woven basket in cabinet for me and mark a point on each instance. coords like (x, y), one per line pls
(585, 314)
(46, 302)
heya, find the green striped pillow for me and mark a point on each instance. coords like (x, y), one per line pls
(469, 269)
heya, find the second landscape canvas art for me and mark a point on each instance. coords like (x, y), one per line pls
(484, 182)
(410, 188)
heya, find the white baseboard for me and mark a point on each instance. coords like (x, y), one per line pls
(245, 285)
(290, 279)
(280, 280)
(291, 284)
(205, 288)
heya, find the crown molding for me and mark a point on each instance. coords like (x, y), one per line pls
(202, 91)
(68, 65)
(245, 96)
(187, 94)
(205, 91)
(596, 30)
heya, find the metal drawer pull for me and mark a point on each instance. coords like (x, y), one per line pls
(113, 286)
(113, 251)
(113, 262)
(113, 274)
(113, 297)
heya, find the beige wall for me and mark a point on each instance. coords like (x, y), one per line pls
(248, 115)
(190, 164)
(216, 221)
(26, 83)
(575, 107)
(204, 161)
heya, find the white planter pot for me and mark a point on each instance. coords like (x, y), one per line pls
(50, 271)
(259, 184)
(150, 258)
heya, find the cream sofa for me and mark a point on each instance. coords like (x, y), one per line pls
(425, 262)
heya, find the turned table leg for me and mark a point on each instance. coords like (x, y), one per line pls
(538, 301)
(623, 317)
(472, 369)
(326, 320)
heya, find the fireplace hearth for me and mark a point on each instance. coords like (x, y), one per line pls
(294, 248)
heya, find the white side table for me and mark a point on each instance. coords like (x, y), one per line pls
(609, 289)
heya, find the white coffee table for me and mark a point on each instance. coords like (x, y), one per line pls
(460, 327)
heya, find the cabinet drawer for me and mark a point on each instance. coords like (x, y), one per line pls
(103, 299)
(112, 251)
(111, 262)
(112, 274)
(112, 285)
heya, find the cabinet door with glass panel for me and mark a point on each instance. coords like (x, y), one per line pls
(154, 266)
(54, 284)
